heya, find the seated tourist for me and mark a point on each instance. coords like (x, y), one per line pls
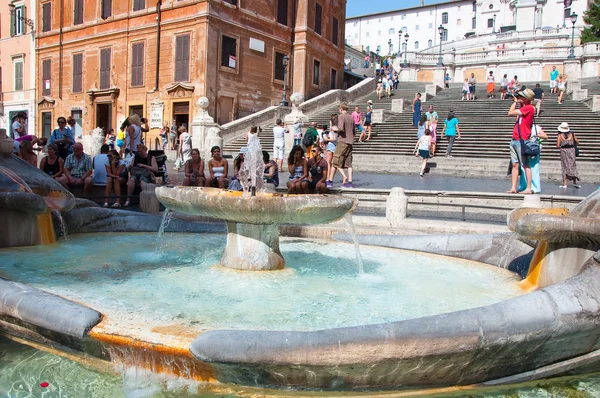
(26, 153)
(297, 167)
(271, 174)
(143, 170)
(194, 171)
(99, 165)
(116, 175)
(235, 184)
(77, 170)
(317, 171)
(52, 164)
(218, 169)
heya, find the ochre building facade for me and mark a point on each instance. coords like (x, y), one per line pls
(101, 61)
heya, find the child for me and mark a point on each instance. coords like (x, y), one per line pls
(423, 145)
(110, 139)
(465, 90)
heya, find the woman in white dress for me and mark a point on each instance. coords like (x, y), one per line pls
(185, 144)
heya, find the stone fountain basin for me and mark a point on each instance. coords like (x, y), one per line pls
(261, 209)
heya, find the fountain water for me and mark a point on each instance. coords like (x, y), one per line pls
(252, 170)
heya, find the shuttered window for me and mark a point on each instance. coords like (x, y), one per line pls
(279, 68)
(78, 73)
(106, 8)
(46, 77)
(105, 68)
(228, 52)
(316, 72)
(46, 17)
(17, 21)
(282, 12)
(137, 64)
(19, 76)
(78, 12)
(318, 18)
(139, 5)
(334, 31)
(182, 59)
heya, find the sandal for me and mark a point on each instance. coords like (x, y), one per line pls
(126, 204)
(105, 204)
(511, 191)
(116, 206)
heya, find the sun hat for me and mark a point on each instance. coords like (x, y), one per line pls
(369, 102)
(526, 93)
(564, 127)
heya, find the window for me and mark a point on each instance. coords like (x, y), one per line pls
(77, 12)
(391, 31)
(232, 2)
(430, 25)
(334, 31)
(318, 18)
(228, 52)
(474, 23)
(77, 73)
(18, 75)
(139, 5)
(46, 17)
(378, 33)
(333, 83)
(282, 12)
(444, 18)
(279, 68)
(182, 58)
(416, 45)
(367, 34)
(429, 43)
(445, 35)
(403, 17)
(46, 77)
(316, 72)
(458, 21)
(106, 9)
(474, 6)
(490, 22)
(17, 21)
(416, 27)
(105, 54)
(137, 65)
(567, 13)
(355, 24)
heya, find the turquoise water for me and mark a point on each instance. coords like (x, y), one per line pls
(122, 276)
(23, 369)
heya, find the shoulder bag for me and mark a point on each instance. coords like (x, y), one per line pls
(529, 147)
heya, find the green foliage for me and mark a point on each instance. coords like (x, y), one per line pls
(592, 19)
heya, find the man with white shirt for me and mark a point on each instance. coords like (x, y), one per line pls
(279, 132)
(99, 165)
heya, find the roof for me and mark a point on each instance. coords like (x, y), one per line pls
(405, 9)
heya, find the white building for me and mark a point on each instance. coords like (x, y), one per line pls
(459, 19)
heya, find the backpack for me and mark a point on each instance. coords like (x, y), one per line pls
(308, 139)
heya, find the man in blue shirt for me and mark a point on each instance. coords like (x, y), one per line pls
(553, 77)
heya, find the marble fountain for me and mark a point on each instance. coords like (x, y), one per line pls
(546, 327)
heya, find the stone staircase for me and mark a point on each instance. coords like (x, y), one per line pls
(483, 150)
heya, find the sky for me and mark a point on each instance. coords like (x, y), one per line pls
(362, 7)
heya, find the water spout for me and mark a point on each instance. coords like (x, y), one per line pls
(166, 220)
(352, 232)
(252, 170)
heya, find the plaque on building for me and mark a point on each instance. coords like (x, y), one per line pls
(257, 45)
(157, 108)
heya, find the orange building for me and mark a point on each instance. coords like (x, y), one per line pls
(103, 60)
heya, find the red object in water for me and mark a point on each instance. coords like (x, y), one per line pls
(44, 384)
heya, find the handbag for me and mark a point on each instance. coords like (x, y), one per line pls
(576, 150)
(141, 172)
(529, 147)
(178, 163)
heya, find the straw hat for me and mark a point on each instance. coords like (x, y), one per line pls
(370, 102)
(564, 127)
(527, 93)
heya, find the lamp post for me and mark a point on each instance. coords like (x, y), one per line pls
(494, 25)
(285, 61)
(390, 46)
(405, 64)
(572, 50)
(441, 31)
(399, 44)
(377, 60)
(28, 22)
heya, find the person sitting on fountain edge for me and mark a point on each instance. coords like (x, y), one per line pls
(218, 169)
(143, 171)
(77, 170)
(271, 173)
(317, 171)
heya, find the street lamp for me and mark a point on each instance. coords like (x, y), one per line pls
(494, 25)
(285, 61)
(28, 22)
(406, 36)
(441, 31)
(377, 59)
(390, 46)
(572, 51)
(399, 43)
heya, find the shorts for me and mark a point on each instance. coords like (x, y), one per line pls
(120, 143)
(342, 157)
(331, 147)
(561, 88)
(367, 123)
(138, 179)
(472, 89)
(465, 92)
(552, 83)
(359, 127)
(278, 151)
(424, 153)
(312, 185)
(503, 89)
(516, 155)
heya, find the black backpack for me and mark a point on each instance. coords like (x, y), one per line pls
(307, 140)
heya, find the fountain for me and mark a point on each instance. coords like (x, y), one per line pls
(316, 323)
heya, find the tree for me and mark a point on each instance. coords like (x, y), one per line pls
(592, 19)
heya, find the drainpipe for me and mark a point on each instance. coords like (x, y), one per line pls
(158, 20)
(60, 52)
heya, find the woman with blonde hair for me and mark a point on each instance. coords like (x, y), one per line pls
(561, 85)
(185, 144)
(134, 133)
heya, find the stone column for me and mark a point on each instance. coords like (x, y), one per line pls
(439, 76)
(396, 207)
(573, 71)
(213, 138)
(148, 201)
(200, 125)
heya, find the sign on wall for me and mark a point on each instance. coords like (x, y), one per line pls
(157, 108)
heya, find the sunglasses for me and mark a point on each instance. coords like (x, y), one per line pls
(313, 151)
(62, 122)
